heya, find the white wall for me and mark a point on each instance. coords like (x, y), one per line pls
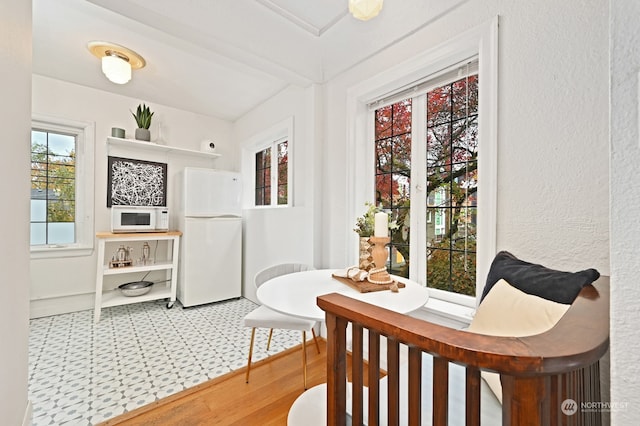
(53, 288)
(552, 129)
(15, 120)
(625, 210)
(281, 235)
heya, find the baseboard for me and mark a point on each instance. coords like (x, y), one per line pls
(28, 413)
(60, 305)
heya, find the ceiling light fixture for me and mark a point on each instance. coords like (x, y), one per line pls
(365, 9)
(117, 61)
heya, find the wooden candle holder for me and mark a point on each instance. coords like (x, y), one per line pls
(379, 274)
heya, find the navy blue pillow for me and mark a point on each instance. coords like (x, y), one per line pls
(558, 286)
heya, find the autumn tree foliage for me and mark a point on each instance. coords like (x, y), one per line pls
(451, 165)
(263, 174)
(53, 180)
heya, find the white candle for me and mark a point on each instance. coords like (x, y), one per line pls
(381, 221)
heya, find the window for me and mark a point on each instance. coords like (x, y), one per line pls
(267, 165)
(53, 188)
(450, 166)
(422, 138)
(272, 186)
(61, 187)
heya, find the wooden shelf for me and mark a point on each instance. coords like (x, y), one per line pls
(160, 266)
(152, 146)
(116, 298)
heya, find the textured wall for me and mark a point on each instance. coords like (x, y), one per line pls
(553, 143)
(552, 128)
(625, 210)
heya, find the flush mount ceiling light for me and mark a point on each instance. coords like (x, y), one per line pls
(117, 61)
(365, 9)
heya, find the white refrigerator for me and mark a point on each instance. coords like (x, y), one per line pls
(210, 219)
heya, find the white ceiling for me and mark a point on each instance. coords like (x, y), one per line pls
(220, 58)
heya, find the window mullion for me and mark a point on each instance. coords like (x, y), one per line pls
(274, 174)
(418, 212)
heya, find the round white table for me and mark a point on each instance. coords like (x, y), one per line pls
(295, 294)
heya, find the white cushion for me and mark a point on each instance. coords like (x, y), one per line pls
(266, 318)
(507, 311)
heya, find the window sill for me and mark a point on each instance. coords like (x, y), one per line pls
(453, 311)
(51, 252)
(279, 206)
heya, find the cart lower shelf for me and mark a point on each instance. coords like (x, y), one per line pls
(115, 297)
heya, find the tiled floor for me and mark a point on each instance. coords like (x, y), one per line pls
(81, 373)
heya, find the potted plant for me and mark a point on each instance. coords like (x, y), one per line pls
(143, 120)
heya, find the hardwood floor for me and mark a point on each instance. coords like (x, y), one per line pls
(274, 384)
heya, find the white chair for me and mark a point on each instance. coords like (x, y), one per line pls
(264, 317)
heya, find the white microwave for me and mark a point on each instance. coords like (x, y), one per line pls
(139, 219)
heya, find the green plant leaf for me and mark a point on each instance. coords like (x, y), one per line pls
(143, 116)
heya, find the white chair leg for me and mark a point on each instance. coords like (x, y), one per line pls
(304, 358)
(253, 335)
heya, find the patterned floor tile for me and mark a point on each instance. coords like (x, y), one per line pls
(81, 373)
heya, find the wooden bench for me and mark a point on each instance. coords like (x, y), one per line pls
(538, 373)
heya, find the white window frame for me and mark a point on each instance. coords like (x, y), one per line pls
(270, 138)
(85, 160)
(481, 42)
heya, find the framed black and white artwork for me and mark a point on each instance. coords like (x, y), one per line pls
(136, 182)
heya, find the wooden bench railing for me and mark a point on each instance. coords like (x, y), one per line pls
(537, 372)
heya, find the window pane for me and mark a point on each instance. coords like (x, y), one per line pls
(282, 194)
(452, 149)
(283, 172)
(401, 123)
(401, 151)
(61, 211)
(53, 187)
(439, 106)
(62, 145)
(61, 233)
(39, 139)
(383, 122)
(263, 178)
(438, 145)
(461, 106)
(38, 234)
(452, 270)
(393, 177)
(63, 188)
(259, 199)
(393, 171)
(38, 210)
(399, 249)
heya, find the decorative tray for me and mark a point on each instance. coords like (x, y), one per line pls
(365, 286)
